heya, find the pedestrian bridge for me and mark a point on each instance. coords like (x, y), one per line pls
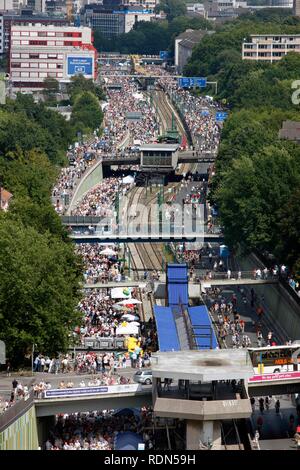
(142, 238)
(86, 399)
(183, 157)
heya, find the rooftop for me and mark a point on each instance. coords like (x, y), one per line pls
(193, 35)
(204, 366)
(290, 130)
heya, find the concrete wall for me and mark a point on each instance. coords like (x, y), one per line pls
(22, 433)
(91, 179)
(203, 432)
(281, 309)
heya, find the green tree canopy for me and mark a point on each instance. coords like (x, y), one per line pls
(172, 8)
(39, 290)
(86, 113)
(79, 84)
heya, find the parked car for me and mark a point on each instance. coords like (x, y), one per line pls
(143, 377)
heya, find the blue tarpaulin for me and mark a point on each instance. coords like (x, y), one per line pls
(177, 277)
(201, 324)
(166, 329)
(127, 441)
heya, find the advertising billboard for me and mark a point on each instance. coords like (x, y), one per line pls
(80, 65)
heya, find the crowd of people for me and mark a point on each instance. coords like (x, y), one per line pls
(98, 430)
(98, 265)
(198, 112)
(18, 392)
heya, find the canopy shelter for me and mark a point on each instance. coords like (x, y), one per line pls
(127, 441)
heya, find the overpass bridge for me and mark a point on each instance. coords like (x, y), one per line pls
(152, 237)
(136, 396)
(136, 279)
(93, 398)
(183, 157)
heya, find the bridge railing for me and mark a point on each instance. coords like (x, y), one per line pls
(15, 411)
(132, 226)
(238, 275)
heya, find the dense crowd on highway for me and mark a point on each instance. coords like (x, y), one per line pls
(100, 262)
(198, 112)
(99, 430)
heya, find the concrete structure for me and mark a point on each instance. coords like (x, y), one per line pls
(38, 52)
(290, 130)
(198, 393)
(120, 398)
(112, 20)
(154, 236)
(159, 157)
(270, 47)
(40, 5)
(11, 4)
(184, 44)
(296, 7)
(195, 9)
(23, 18)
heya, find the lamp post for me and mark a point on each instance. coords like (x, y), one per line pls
(32, 357)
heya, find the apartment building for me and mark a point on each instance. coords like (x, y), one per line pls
(270, 47)
(38, 52)
(22, 18)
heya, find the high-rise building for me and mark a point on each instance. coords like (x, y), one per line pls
(23, 18)
(113, 19)
(38, 52)
(296, 7)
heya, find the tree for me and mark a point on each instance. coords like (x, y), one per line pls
(79, 84)
(51, 88)
(29, 174)
(86, 109)
(172, 8)
(288, 248)
(251, 194)
(39, 291)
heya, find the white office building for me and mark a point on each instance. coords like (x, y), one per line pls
(41, 51)
(270, 47)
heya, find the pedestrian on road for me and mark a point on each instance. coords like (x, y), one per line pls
(252, 401)
(267, 402)
(261, 405)
(277, 407)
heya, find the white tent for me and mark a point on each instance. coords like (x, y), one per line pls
(128, 179)
(129, 329)
(120, 293)
(108, 251)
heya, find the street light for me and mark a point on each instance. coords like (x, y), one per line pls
(32, 357)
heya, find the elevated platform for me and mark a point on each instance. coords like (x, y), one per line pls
(237, 282)
(135, 238)
(183, 157)
(113, 397)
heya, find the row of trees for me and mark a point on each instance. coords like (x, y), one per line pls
(257, 180)
(150, 37)
(40, 276)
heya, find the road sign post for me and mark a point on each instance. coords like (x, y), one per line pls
(190, 82)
